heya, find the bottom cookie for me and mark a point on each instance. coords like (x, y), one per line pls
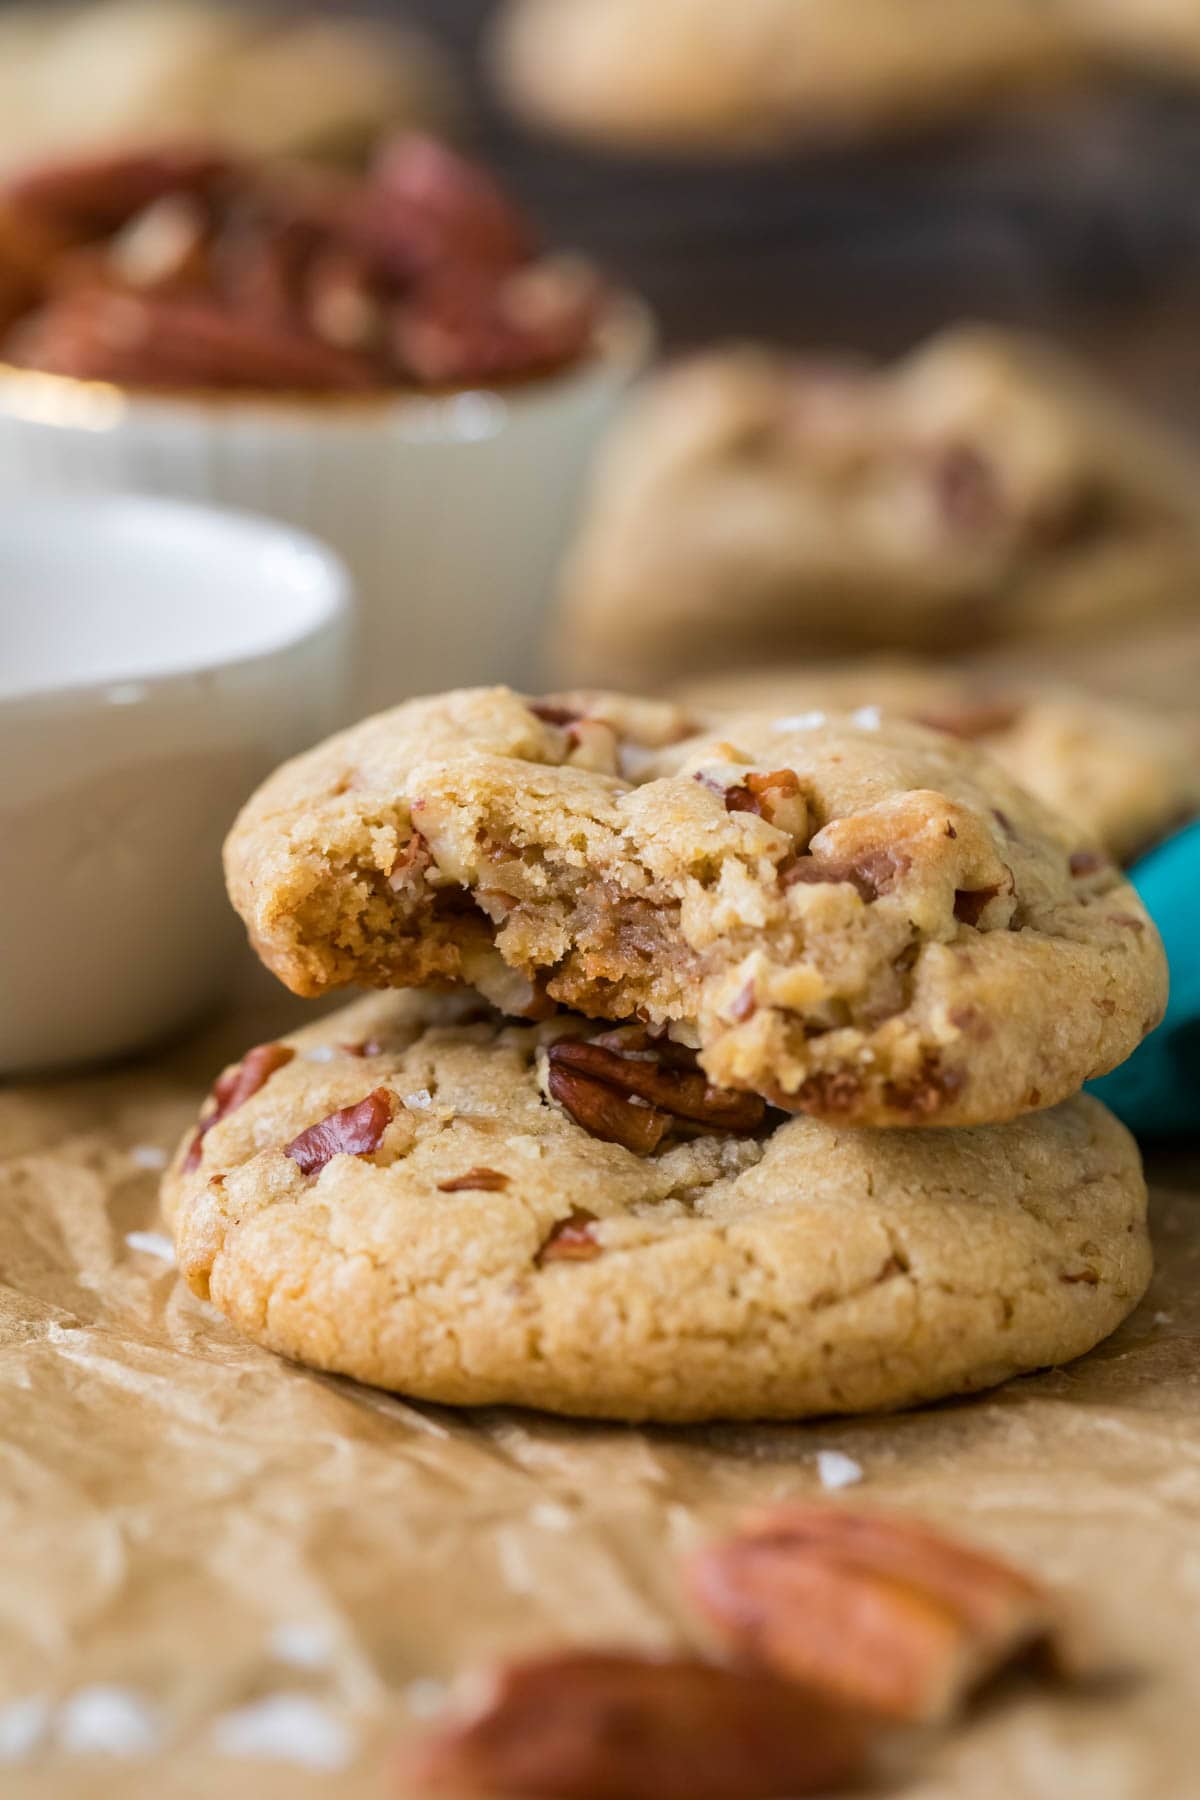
(428, 1197)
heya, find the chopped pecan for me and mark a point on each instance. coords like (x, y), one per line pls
(872, 874)
(102, 190)
(486, 1181)
(234, 1088)
(1086, 862)
(588, 1725)
(775, 796)
(368, 1047)
(605, 1113)
(352, 1131)
(571, 1239)
(883, 1613)
(550, 714)
(682, 1092)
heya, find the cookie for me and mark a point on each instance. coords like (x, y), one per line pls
(861, 919)
(405, 1200)
(686, 75)
(1126, 776)
(985, 488)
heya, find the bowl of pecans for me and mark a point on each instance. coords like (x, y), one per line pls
(388, 361)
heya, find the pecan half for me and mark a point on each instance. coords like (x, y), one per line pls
(102, 190)
(485, 1181)
(884, 1613)
(682, 1092)
(167, 341)
(604, 1112)
(571, 1240)
(234, 1088)
(593, 1726)
(463, 323)
(352, 1131)
(424, 205)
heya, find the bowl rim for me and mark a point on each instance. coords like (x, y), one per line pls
(131, 692)
(624, 343)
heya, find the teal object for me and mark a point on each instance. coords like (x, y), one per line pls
(1157, 1092)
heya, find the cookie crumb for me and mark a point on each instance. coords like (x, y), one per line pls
(836, 1470)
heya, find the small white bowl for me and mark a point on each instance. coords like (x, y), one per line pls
(450, 510)
(156, 660)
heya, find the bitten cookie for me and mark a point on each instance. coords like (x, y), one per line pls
(1127, 776)
(426, 1196)
(861, 919)
(984, 488)
(685, 75)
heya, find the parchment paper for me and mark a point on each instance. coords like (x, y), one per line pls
(255, 1558)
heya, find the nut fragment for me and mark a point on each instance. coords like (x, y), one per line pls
(105, 188)
(234, 1088)
(883, 1613)
(571, 1240)
(607, 1726)
(775, 796)
(486, 1181)
(352, 1131)
(603, 1112)
(682, 1091)
(870, 875)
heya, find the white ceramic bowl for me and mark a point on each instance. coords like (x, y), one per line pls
(156, 660)
(451, 511)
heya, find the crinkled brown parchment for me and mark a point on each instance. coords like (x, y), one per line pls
(205, 1529)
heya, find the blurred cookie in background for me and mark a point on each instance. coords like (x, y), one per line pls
(685, 75)
(1126, 775)
(984, 488)
(256, 79)
(1160, 36)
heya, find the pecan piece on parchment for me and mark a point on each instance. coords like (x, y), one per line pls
(594, 1725)
(351, 1131)
(883, 1613)
(234, 1088)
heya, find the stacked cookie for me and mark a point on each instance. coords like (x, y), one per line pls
(754, 1091)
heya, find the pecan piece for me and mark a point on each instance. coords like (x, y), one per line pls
(571, 1240)
(775, 796)
(1086, 862)
(588, 1725)
(100, 191)
(234, 1088)
(413, 860)
(425, 206)
(163, 341)
(484, 1181)
(463, 323)
(603, 1112)
(352, 1131)
(884, 1613)
(870, 875)
(684, 1093)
